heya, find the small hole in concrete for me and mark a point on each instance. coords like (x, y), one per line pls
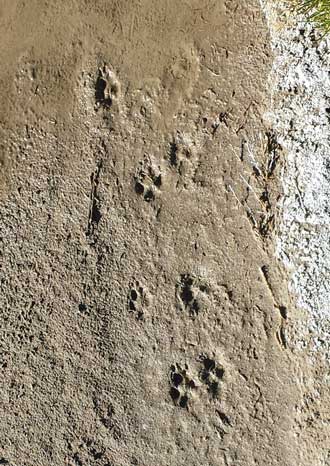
(191, 384)
(214, 389)
(100, 87)
(139, 188)
(134, 295)
(173, 154)
(174, 393)
(158, 181)
(284, 312)
(131, 306)
(209, 364)
(184, 401)
(149, 196)
(177, 379)
(219, 372)
(204, 375)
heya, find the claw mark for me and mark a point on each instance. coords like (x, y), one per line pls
(281, 334)
(247, 209)
(94, 215)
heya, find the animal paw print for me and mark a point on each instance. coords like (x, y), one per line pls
(148, 181)
(137, 300)
(88, 452)
(211, 375)
(107, 87)
(181, 386)
(182, 156)
(190, 294)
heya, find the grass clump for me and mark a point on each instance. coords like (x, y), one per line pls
(317, 12)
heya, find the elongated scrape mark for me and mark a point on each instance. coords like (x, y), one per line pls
(94, 214)
(281, 334)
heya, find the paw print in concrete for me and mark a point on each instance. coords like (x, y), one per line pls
(202, 379)
(211, 375)
(107, 87)
(182, 156)
(191, 294)
(88, 452)
(148, 180)
(181, 386)
(104, 411)
(138, 300)
(197, 384)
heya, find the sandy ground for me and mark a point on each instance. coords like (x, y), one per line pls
(144, 315)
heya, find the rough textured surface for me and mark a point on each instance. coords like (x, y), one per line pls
(301, 88)
(144, 315)
(300, 119)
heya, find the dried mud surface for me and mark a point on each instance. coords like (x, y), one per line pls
(144, 319)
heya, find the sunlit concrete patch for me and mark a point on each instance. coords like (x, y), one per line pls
(300, 114)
